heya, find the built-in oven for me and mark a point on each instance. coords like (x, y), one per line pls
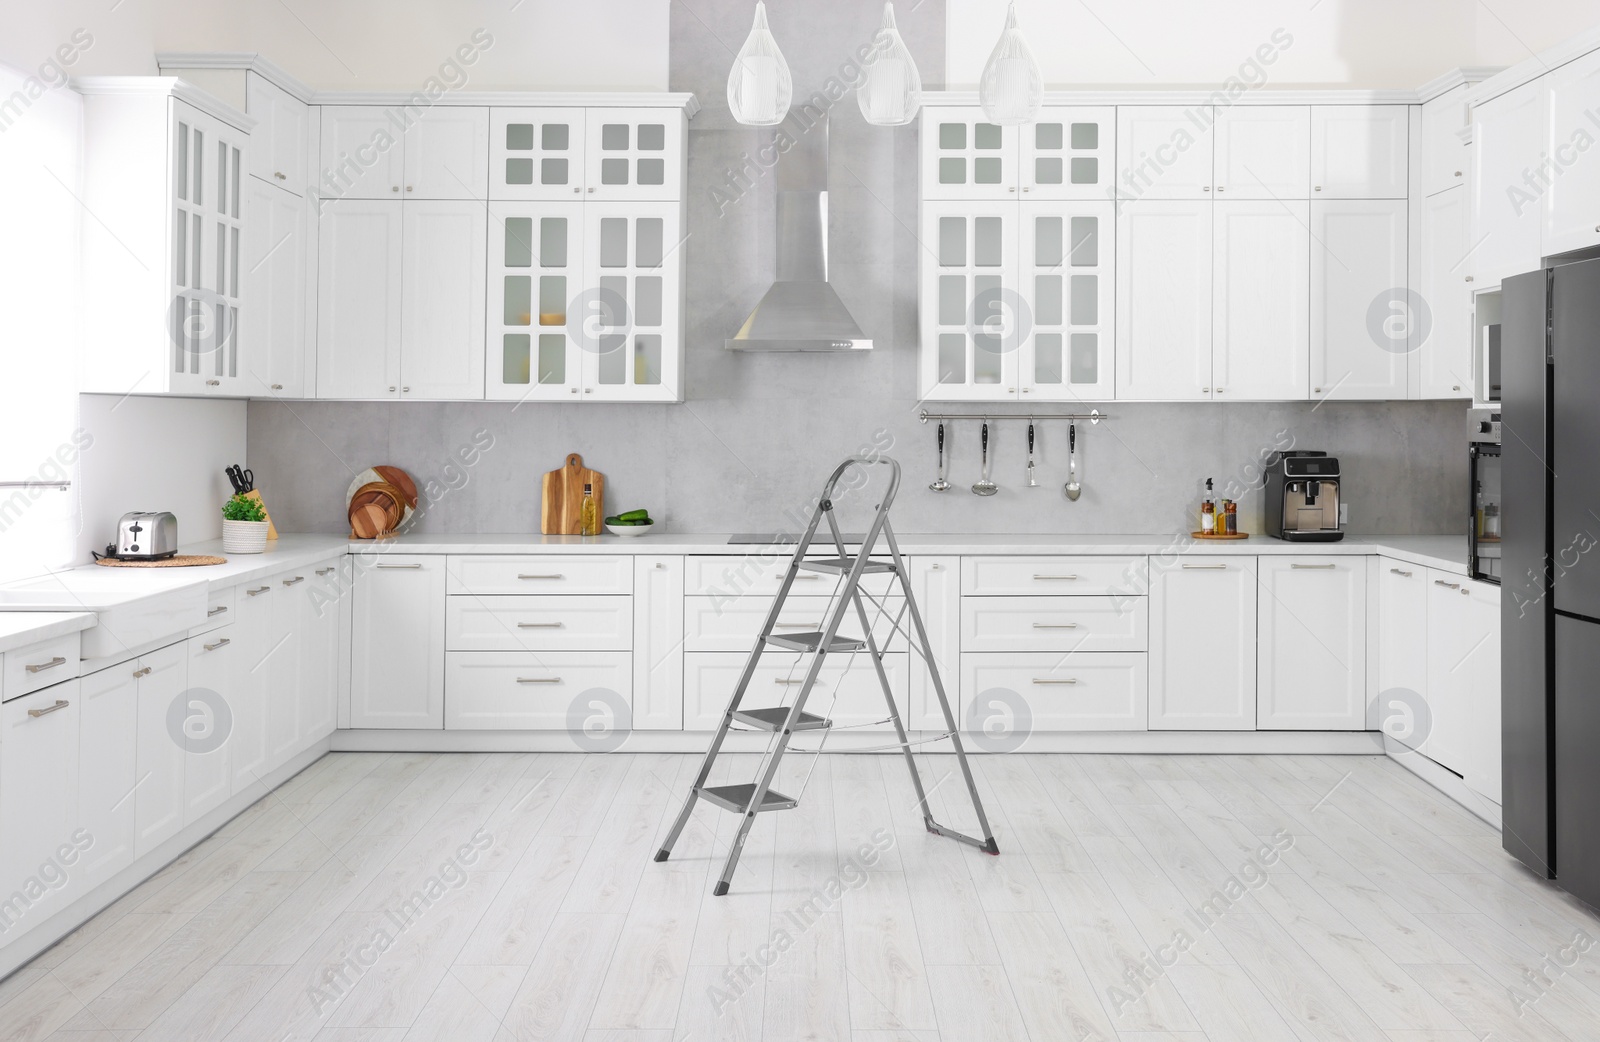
(1483, 533)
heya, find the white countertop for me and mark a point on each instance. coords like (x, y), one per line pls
(18, 629)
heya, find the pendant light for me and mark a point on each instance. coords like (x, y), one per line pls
(1011, 90)
(891, 93)
(759, 87)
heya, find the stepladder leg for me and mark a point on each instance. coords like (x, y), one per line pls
(732, 862)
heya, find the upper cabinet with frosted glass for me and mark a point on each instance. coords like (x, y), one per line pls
(590, 154)
(165, 169)
(1066, 154)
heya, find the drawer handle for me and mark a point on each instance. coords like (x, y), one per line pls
(540, 625)
(224, 642)
(264, 589)
(538, 680)
(61, 703)
(1055, 680)
(325, 571)
(218, 610)
(40, 667)
(1055, 576)
(1311, 566)
(554, 575)
(1214, 566)
(1400, 572)
(798, 625)
(296, 579)
(399, 566)
(1055, 625)
(1448, 586)
(141, 672)
(808, 578)
(785, 680)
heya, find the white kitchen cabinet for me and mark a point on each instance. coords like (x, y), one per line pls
(445, 154)
(107, 770)
(320, 616)
(851, 698)
(1360, 151)
(536, 153)
(249, 693)
(628, 320)
(535, 269)
(1463, 678)
(442, 299)
(1510, 138)
(1164, 288)
(358, 299)
(1359, 325)
(1444, 153)
(1068, 153)
(964, 156)
(280, 142)
(1261, 320)
(207, 774)
(159, 800)
(273, 328)
(1066, 265)
(1311, 670)
(935, 582)
(39, 801)
(1203, 645)
(969, 301)
(581, 692)
(1444, 356)
(363, 152)
(1571, 204)
(634, 154)
(397, 643)
(1011, 696)
(1061, 624)
(1484, 764)
(658, 642)
(282, 666)
(1164, 152)
(1263, 152)
(1403, 652)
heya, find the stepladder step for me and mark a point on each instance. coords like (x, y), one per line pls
(774, 718)
(842, 566)
(737, 797)
(812, 641)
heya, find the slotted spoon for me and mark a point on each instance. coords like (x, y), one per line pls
(984, 486)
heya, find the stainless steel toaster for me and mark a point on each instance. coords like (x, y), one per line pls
(147, 535)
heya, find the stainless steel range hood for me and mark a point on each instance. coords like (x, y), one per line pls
(801, 312)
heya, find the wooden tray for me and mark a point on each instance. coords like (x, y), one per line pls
(1229, 535)
(179, 561)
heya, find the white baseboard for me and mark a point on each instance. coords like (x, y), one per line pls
(1443, 779)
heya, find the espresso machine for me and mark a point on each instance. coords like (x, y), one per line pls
(1303, 497)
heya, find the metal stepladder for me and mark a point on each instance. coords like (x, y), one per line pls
(750, 798)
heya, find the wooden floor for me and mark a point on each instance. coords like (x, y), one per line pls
(507, 897)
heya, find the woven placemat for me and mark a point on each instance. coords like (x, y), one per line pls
(180, 561)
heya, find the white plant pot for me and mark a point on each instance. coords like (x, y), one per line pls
(244, 537)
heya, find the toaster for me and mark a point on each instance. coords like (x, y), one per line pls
(146, 535)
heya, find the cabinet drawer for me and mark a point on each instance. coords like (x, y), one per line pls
(39, 665)
(710, 677)
(1054, 624)
(219, 610)
(524, 691)
(718, 624)
(1103, 691)
(1070, 576)
(504, 623)
(546, 573)
(726, 577)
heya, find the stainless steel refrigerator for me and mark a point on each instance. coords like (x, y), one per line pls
(1550, 582)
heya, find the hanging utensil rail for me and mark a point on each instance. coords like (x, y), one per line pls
(1094, 416)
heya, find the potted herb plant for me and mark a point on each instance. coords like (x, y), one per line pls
(244, 526)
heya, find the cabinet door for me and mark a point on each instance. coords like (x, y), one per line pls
(279, 142)
(248, 692)
(1463, 645)
(442, 300)
(1067, 260)
(286, 634)
(1445, 353)
(535, 271)
(158, 802)
(1069, 153)
(363, 151)
(1311, 670)
(1203, 645)
(446, 154)
(1444, 153)
(626, 320)
(273, 331)
(1359, 334)
(964, 156)
(1261, 306)
(358, 300)
(39, 800)
(1164, 152)
(1164, 276)
(936, 585)
(1360, 151)
(1509, 140)
(1263, 152)
(634, 154)
(207, 225)
(536, 153)
(107, 769)
(318, 688)
(397, 644)
(207, 775)
(1571, 209)
(657, 643)
(969, 302)
(1403, 652)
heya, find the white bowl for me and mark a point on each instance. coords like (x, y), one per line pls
(628, 531)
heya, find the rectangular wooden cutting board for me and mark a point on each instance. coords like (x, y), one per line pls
(562, 502)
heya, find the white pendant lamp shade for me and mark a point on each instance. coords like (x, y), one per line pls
(891, 92)
(759, 87)
(1011, 90)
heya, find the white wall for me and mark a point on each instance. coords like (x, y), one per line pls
(158, 454)
(1346, 43)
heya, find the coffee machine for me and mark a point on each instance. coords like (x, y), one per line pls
(1303, 497)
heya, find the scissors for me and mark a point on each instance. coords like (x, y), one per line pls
(243, 480)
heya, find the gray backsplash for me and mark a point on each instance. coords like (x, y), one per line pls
(759, 433)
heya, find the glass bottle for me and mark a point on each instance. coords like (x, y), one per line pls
(1230, 512)
(589, 513)
(1208, 513)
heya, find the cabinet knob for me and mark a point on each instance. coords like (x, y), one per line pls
(1317, 188)
(1205, 390)
(1207, 188)
(409, 188)
(391, 388)
(1469, 277)
(405, 390)
(279, 175)
(1027, 390)
(1316, 390)
(1217, 390)
(576, 189)
(394, 188)
(1456, 387)
(1025, 188)
(1458, 173)
(213, 383)
(572, 390)
(277, 387)
(1221, 189)
(591, 188)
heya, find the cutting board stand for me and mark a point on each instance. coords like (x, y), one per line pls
(561, 502)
